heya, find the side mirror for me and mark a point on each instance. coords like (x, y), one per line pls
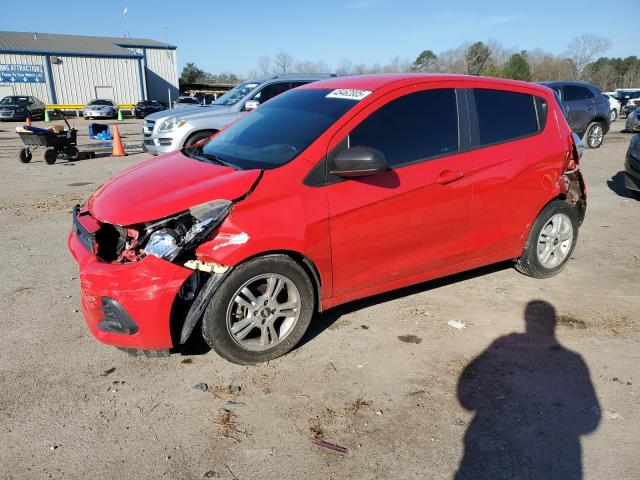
(251, 105)
(359, 162)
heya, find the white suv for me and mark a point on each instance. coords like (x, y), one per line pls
(174, 129)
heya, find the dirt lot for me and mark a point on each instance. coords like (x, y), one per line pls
(384, 377)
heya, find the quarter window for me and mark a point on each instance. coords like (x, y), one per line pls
(411, 128)
(574, 93)
(504, 115)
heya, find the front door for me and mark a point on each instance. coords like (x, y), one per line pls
(414, 217)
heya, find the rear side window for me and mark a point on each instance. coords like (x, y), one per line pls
(574, 93)
(504, 115)
(411, 128)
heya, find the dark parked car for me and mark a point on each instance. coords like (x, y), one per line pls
(21, 107)
(587, 110)
(147, 107)
(632, 166)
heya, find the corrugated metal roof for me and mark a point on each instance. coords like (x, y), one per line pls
(30, 42)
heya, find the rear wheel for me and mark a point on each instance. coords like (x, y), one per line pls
(594, 135)
(551, 241)
(196, 137)
(25, 155)
(72, 153)
(50, 156)
(261, 311)
(613, 115)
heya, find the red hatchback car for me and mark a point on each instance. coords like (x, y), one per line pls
(331, 192)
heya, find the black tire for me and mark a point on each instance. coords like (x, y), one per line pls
(613, 115)
(214, 321)
(72, 153)
(591, 131)
(50, 156)
(25, 155)
(196, 137)
(529, 263)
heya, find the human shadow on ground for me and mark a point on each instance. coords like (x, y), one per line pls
(533, 399)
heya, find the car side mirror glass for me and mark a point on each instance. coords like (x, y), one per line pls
(359, 162)
(251, 105)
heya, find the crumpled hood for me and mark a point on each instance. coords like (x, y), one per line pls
(188, 112)
(166, 185)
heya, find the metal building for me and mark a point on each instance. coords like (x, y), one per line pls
(74, 69)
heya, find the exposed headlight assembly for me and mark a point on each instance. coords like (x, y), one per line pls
(172, 236)
(171, 124)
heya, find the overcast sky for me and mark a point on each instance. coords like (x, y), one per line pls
(231, 36)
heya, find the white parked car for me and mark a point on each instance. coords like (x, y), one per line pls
(100, 109)
(614, 106)
(184, 102)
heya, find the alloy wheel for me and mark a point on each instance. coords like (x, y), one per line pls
(595, 136)
(263, 311)
(555, 240)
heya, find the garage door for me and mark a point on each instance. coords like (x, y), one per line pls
(5, 91)
(104, 93)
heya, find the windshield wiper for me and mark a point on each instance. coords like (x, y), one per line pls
(198, 154)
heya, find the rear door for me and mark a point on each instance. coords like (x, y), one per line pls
(580, 103)
(513, 168)
(414, 217)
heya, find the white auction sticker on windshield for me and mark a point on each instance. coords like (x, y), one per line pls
(349, 94)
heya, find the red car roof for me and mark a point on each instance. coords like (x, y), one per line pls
(374, 82)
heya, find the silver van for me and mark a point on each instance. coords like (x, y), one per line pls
(170, 130)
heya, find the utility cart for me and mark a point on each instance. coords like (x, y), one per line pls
(57, 144)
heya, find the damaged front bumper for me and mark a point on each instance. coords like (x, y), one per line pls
(127, 304)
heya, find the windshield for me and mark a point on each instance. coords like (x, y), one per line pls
(14, 101)
(148, 103)
(100, 102)
(236, 94)
(278, 131)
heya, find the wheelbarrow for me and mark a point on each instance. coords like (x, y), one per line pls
(57, 144)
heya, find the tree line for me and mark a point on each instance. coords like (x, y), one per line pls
(583, 61)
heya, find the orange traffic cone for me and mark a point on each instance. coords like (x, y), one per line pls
(118, 148)
(28, 121)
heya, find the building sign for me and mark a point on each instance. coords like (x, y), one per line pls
(21, 73)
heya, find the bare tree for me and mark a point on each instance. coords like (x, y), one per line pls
(310, 67)
(264, 65)
(283, 63)
(344, 67)
(252, 74)
(584, 49)
(359, 69)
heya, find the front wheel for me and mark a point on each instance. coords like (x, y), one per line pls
(197, 137)
(613, 115)
(50, 156)
(594, 135)
(25, 155)
(551, 241)
(261, 311)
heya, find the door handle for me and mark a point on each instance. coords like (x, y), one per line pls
(448, 176)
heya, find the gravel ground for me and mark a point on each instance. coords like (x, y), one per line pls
(387, 378)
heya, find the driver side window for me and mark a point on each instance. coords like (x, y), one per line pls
(415, 127)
